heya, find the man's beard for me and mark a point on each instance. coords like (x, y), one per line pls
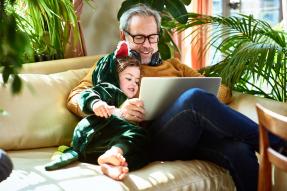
(146, 60)
(147, 52)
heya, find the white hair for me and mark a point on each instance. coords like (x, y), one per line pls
(141, 10)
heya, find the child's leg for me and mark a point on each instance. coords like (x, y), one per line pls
(113, 164)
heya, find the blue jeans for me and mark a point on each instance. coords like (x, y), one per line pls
(198, 126)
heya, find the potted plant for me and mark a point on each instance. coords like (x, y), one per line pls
(254, 54)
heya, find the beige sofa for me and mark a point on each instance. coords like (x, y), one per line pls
(38, 121)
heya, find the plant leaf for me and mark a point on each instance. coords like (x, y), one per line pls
(164, 50)
(157, 4)
(6, 73)
(16, 84)
(186, 2)
(3, 112)
(126, 5)
(177, 10)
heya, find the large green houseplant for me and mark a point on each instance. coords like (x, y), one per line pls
(254, 54)
(47, 24)
(31, 30)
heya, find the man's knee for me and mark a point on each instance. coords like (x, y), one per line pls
(194, 96)
(5, 166)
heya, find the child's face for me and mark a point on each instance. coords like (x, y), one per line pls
(129, 80)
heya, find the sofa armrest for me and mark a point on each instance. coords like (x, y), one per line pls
(245, 103)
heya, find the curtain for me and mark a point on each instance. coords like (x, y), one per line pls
(76, 46)
(191, 53)
(198, 56)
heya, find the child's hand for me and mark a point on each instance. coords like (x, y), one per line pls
(102, 109)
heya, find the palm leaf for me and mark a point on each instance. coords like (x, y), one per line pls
(254, 53)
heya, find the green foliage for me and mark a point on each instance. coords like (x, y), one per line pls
(170, 10)
(13, 45)
(186, 2)
(30, 29)
(47, 23)
(254, 54)
(3, 112)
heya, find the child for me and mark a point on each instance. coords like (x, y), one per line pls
(103, 137)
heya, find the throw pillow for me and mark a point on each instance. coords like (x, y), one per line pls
(38, 117)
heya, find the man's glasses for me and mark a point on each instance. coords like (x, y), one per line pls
(140, 39)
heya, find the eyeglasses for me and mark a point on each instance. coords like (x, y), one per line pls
(140, 39)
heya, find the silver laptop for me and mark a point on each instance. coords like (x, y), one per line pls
(158, 93)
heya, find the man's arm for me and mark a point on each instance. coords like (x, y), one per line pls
(72, 101)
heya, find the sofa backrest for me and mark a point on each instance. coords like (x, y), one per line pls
(55, 66)
(38, 117)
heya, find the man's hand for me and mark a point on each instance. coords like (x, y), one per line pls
(102, 109)
(133, 110)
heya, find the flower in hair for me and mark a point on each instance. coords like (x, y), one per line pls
(122, 50)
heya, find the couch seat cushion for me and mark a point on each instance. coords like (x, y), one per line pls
(29, 174)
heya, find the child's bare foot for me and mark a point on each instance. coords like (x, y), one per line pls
(113, 156)
(115, 172)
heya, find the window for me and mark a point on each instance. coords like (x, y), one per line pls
(267, 10)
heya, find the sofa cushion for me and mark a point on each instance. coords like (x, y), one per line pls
(29, 174)
(32, 121)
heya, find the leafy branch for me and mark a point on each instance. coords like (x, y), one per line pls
(254, 54)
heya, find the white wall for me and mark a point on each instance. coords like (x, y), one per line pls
(284, 11)
(100, 26)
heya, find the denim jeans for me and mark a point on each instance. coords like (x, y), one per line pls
(198, 126)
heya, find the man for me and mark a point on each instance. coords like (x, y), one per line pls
(197, 125)
(5, 165)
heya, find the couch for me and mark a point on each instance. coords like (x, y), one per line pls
(37, 122)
